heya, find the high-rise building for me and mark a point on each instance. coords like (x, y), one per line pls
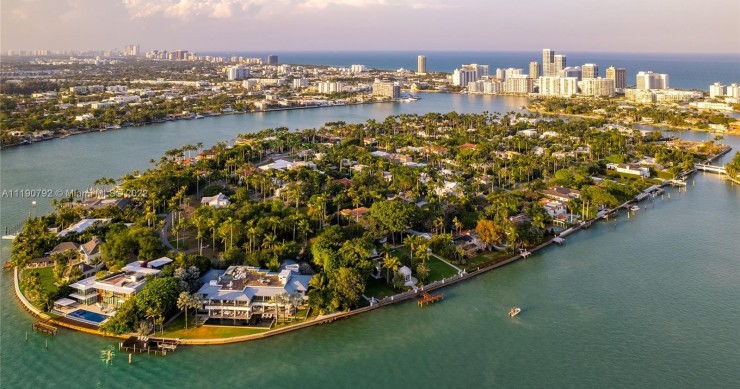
(421, 64)
(387, 89)
(717, 90)
(548, 59)
(558, 86)
(131, 50)
(518, 83)
(512, 72)
(574, 71)
(649, 80)
(272, 59)
(238, 73)
(534, 70)
(733, 91)
(597, 87)
(590, 70)
(358, 68)
(461, 77)
(619, 75)
(329, 87)
(300, 82)
(559, 64)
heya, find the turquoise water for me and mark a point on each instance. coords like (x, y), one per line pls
(649, 301)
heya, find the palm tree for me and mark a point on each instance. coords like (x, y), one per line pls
(269, 241)
(185, 301)
(390, 263)
(458, 224)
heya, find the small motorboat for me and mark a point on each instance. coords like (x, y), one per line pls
(634, 208)
(514, 311)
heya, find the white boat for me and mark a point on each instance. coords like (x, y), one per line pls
(514, 311)
(634, 208)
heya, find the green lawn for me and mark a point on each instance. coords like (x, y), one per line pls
(438, 270)
(486, 259)
(176, 329)
(379, 288)
(403, 253)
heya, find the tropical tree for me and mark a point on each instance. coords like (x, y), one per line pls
(184, 302)
(390, 263)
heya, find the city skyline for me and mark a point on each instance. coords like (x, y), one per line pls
(316, 25)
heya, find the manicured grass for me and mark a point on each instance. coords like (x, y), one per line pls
(438, 270)
(403, 253)
(176, 329)
(379, 288)
(486, 259)
(46, 277)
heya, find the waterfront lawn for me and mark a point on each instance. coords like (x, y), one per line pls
(379, 288)
(46, 278)
(176, 329)
(486, 259)
(403, 253)
(438, 270)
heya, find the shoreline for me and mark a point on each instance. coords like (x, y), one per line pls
(162, 121)
(322, 319)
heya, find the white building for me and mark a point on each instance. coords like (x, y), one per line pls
(597, 87)
(300, 83)
(558, 86)
(461, 77)
(717, 90)
(218, 201)
(329, 87)
(649, 80)
(358, 68)
(242, 291)
(631, 168)
(518, 83)
(590, 70)
(237, 73)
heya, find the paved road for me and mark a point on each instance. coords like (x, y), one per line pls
(163, 231)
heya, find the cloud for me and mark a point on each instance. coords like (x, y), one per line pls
(185, 9)
(223, 9)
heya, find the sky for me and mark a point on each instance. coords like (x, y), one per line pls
(653, 26)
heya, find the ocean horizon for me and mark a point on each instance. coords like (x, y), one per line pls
(685, 71)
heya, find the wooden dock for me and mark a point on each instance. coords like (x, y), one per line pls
(44, 327)
(157, 346)
(426, 298)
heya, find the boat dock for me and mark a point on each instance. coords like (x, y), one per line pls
(44, 327)
(138, 344)
(426, 298)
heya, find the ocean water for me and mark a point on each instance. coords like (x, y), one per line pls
(686, 71)
(649, 301)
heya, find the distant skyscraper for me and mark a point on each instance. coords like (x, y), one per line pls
(619, 75)
(590, 70)
(387, 89)
(534, 69)
(649, 80)
(238, 73)
(597, 86)
(421, 64)
(559, 64)
(461, 77)
(548, 58)
(272, 59)
(131, 50)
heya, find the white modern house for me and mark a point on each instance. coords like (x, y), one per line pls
(242, 291)
(630, 168)
(218, 201)
(114, 289)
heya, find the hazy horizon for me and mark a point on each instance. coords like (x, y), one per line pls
(611, 26)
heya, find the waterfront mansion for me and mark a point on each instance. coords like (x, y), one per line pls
(241, 291)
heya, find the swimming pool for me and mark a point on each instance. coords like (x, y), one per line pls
(87, 316)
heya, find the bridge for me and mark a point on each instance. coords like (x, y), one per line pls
(710, 168)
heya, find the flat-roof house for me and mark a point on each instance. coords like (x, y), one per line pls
(114, 289)
(242, 291)
(629, 168)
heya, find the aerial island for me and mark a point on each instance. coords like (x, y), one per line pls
(280, 229)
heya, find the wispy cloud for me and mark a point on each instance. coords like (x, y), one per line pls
(185, 9)
(222, 9)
